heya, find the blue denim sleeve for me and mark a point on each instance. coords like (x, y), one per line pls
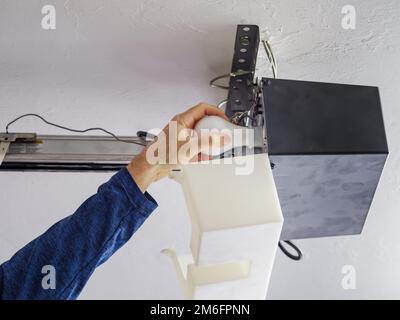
(73, 248)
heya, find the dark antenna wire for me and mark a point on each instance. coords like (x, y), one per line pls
(72, 130)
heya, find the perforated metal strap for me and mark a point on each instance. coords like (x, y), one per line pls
(241, 89)
(3, 150)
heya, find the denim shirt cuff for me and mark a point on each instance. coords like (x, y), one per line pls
(139, 199)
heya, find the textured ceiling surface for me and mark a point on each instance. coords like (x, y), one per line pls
(131, 65)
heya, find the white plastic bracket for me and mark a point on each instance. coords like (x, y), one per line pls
(236, 223)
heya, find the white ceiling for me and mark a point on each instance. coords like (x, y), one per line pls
(130, 65)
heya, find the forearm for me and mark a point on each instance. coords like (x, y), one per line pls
(143, 172)
(78, 244)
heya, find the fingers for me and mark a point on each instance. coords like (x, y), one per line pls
(204, 109)
(191, 148)
(213, 143)
(204, 147)
(209, 110)
(201, 157)
(190, 117)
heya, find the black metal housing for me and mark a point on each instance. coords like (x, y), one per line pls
(328, 146)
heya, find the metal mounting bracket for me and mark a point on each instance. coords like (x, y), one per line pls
(242, 89)
(28, 152)
(18, 137)
(3, 150)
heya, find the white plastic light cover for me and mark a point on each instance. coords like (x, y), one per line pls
(236, 225)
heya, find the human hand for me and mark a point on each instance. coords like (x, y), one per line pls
(176, 144)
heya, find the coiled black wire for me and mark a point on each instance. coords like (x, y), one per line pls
(290, 255)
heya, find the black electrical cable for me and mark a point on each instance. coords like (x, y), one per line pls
(73, 130)
(297, 257)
